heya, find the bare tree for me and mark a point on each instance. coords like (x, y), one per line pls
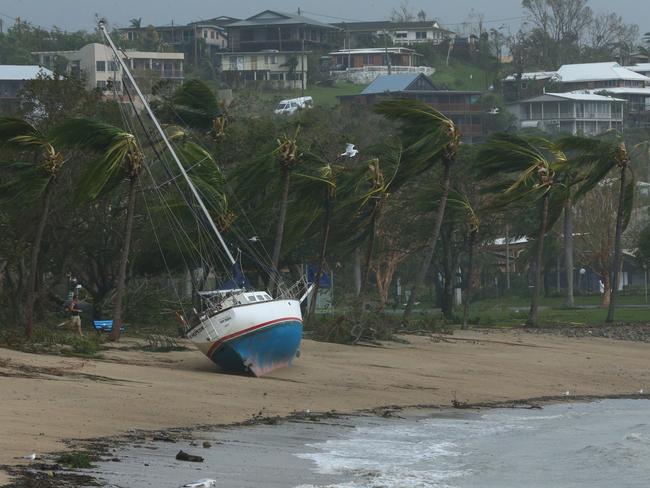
(403, 13)
(595, 224)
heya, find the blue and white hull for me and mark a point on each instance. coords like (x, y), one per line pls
(256, 337)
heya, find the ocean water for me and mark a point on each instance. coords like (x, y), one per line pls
(600, 444)
(604, 444)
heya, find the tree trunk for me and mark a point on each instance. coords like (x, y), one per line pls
(430, 248)
(121, 277)
(568, 253)
(279, 233)
(449, 271)
(470, 276)
(33, 271)
(539, 265)
(365, 275)
(618, 251)
(357, 271)
(607, 289)
(321, 260)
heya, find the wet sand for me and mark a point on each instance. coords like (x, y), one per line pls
(46, 399)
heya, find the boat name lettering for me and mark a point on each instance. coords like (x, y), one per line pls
(226, 319)
(196, 332)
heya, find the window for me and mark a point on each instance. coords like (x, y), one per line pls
(100, 66)
(273, 59)
(101, 85)
(367, 60)
(401, 35)
(111, 66)
(205, 34)
(260, 298)
(420, 35)
(277, 76)
(212, 35)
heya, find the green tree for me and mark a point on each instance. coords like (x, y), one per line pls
(525, 168)
(33, 181)
(429, 138)
(119, 158)
(604, 155)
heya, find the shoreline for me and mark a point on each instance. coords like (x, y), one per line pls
(26, 476)
(148, 392)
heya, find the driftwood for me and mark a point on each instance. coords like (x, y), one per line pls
(183, 456)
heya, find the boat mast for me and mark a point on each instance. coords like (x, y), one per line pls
(168, 144)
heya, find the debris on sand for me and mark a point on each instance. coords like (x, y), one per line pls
(183, 456)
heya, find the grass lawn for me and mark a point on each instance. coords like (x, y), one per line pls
(512, 311)
(462, 76)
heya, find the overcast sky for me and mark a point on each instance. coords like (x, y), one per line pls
(80, 14)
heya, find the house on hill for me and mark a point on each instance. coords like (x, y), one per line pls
(463, 107)
(364, 65)
(197, 39)
(281, 31)
(12, 80)
(573, 113)
(98, 66)
(362, 34)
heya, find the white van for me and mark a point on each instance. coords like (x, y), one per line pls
(292, 105)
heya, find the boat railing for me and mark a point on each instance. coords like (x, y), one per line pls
(294, 291)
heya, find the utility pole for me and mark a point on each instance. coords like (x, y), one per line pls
(302, 66)
(387, 55)
(507, 257)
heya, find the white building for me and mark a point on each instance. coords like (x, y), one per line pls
(97, 64)
(575, 113)
(365, 65)
(282, 69)
(13, 79)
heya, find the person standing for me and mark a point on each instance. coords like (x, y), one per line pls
(75, 315)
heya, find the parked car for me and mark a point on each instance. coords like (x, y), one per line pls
(292, 105)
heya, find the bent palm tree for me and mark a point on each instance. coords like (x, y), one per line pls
(288, 157)
(34, 181)
(604, 156)
(428, 137)
(525, 167)
(119, 158)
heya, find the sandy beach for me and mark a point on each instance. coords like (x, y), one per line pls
(46, 399)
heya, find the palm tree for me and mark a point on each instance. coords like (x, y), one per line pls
(194, 105)
(604, 156)
(119, 158)
(34, 181)
(319, 187)
(288, 157)
(525, 167)
(429, 137)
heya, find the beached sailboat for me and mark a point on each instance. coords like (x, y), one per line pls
(240, 329)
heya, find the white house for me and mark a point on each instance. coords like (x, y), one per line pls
(97, 64)
(575, 113)
(282, 69)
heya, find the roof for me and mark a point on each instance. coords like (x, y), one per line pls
(640, 67)
(622, 90)
(273, 17)
(396, 83)
(532, 75)
(378, 25)
(581, 96)
(597, 71)
(376, 50)
(22, 72)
